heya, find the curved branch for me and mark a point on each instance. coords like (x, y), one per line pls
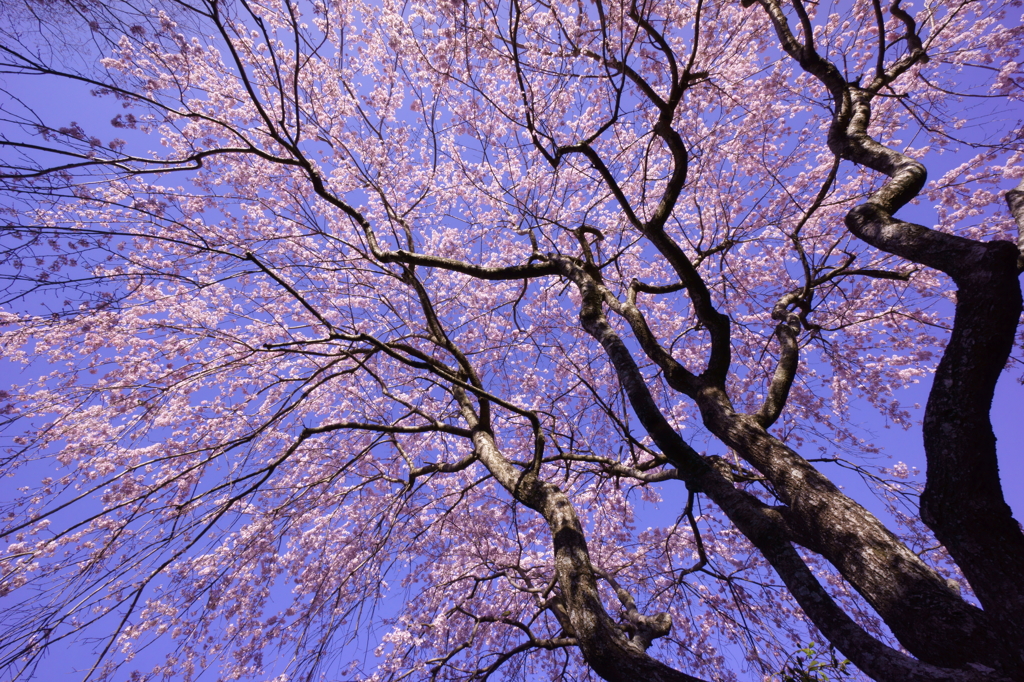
(963, 501)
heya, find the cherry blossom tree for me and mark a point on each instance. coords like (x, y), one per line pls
(395, 324)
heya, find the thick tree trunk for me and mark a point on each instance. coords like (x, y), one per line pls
(963, 500)
(928, 618)
(606, 647)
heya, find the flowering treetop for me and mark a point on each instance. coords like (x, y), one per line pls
(424, 299)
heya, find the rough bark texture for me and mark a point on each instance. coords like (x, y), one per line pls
(963, 499)
(607, 647)
(912, 599)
